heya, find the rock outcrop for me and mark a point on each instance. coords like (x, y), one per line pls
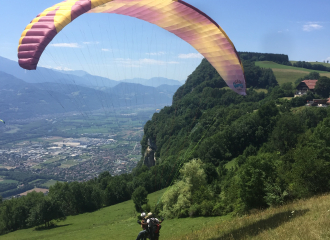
(149, 155)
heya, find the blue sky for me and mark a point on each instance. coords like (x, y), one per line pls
(120, 47)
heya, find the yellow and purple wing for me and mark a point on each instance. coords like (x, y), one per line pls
(176, 16)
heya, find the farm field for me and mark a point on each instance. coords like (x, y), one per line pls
(49, 183)
(285, 73)
(43, 190)
(304, 219)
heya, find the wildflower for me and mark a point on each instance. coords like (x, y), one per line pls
(292, 212)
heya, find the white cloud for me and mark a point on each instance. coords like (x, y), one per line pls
(63, 69)
(190, 55)
(67, 45)
(58, 68)
(89, 43)
(311, 26)
(105, 49)
(156, 53)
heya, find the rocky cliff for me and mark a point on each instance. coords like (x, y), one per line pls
(149, 155)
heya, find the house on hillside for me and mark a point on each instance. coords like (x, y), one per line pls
(304, 87)
(318, 103)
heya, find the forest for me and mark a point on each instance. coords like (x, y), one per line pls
(220, 152)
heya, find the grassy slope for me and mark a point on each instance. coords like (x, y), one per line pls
(285, 73)
(304, 219)
(114, 222)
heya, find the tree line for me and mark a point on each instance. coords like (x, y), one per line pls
(253, 56)
(308, 65)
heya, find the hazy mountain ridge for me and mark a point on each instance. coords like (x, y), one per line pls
(153, 82)
(19, 99)
(77, 77)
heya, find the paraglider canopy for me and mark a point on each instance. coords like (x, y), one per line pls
(2, 121)
(175, 16)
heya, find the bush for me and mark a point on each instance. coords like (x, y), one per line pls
(139, 198)
(183, 198)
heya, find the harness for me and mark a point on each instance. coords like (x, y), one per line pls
(154, 228)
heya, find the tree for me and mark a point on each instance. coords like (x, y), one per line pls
(62, 193)
(286, 132)
(189, 195)
(267, 79)
(310, 76)
(322, 87)
(310, 172)
(45, 212)
(253, 176)
(139, 198)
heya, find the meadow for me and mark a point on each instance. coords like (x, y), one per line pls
(285, 73)
(114, 222)
(303, 219)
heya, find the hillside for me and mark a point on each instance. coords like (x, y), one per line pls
(305, 219)
(224, 154)
(153, 82)
(285, 73)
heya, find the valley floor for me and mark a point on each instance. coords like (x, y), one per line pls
(304, 219)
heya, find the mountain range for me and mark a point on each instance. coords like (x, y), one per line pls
(26, 94)
(79, 77)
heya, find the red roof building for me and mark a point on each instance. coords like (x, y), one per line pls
(310, 83)
(305, 86)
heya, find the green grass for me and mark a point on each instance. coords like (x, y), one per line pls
(230, 164)
(13, 129)
(49, 183)
(261, 90)
(109, 146)
(304, 219)
(114, 222)
(8, 181)
(35, 181)
(70, 163)
(285, 73)
(52, 160)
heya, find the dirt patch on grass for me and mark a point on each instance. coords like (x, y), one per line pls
(43, 190)
(7, 167)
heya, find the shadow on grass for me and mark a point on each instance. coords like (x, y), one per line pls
(261, 225)
(43, 228)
